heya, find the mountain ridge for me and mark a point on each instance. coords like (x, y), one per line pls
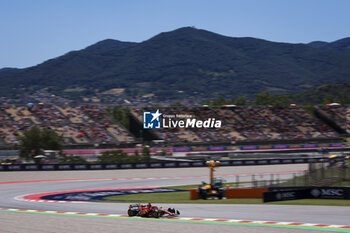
(187, 62)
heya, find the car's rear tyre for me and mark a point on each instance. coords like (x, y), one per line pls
(155, 214)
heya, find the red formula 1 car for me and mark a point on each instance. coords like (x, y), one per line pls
(151, 211)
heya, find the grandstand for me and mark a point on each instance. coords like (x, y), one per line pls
(80, 125)
(339, 116)
(246, 124)
(91, 124)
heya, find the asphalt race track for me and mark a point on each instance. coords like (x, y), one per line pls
(31, 216)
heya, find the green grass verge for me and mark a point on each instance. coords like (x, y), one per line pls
(184, 198)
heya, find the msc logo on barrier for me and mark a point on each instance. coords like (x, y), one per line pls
(285, 195)
(327, 192)
(151, 120)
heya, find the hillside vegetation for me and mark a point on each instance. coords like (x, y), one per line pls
(186, 62)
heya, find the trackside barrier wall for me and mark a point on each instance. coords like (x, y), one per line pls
(155, 150)
(287, 146)
(294, 193)
(245, 192)
(170, 164)
(236, 193)
(256, 147)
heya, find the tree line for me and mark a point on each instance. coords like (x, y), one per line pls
(265, 98)
(35, 141)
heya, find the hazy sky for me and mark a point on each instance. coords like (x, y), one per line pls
(34, 31)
